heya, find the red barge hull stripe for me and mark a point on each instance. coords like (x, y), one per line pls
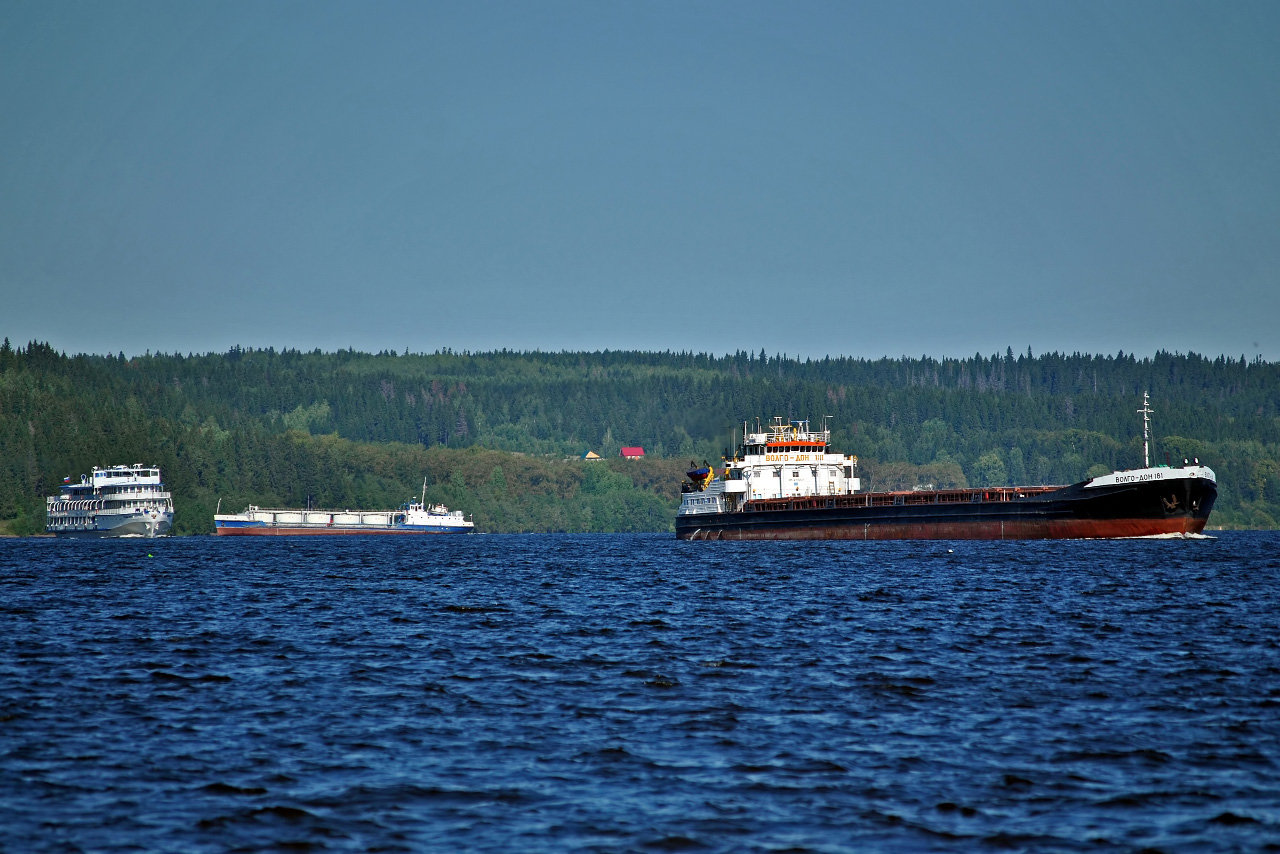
(325, 532)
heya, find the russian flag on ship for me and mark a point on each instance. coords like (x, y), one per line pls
(67, 479)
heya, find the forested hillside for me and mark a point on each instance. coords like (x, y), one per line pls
(498, 434)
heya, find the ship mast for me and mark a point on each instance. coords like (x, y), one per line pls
(1146, 412)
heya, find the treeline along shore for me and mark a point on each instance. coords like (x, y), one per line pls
(500, 434)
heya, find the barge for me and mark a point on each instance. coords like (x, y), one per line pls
(412, 517)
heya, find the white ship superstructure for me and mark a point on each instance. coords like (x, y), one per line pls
(784, 460)
(120, 501)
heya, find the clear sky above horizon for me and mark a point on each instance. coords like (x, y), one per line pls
(821, 178)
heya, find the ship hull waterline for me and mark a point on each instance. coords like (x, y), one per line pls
(121, 532)
(285, 531)
(135, 526)
(1074, 512)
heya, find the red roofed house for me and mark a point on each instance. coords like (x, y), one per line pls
(631, 453)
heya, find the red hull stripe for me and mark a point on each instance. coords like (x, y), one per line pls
(1017, 529)
(323, 532)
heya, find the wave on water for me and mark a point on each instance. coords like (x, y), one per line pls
(615, 693)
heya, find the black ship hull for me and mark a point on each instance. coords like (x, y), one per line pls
(1175, 506)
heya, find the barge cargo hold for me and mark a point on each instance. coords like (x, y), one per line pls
(412, 517)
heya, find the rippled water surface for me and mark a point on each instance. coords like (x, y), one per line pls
(635, 693)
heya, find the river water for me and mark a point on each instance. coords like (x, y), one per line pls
(634, 693)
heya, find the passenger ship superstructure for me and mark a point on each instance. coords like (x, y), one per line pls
(785, 482)
(120, 501)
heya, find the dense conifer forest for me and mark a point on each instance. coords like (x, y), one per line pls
(500, 434)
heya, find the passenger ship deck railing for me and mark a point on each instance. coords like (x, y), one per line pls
(118, 495)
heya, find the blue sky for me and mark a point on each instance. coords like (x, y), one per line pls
(845, 178)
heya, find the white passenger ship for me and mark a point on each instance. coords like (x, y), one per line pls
(121, 501)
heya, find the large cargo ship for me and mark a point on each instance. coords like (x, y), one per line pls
(412, 517)
(120, 501)
(785, 483)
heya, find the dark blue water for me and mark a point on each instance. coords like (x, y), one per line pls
(634, 693)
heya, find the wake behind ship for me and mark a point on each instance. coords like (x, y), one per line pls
(785, 483)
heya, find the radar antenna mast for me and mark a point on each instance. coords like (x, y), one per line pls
(1146, 412)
